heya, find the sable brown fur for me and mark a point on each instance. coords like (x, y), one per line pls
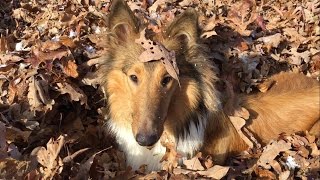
(146, 107)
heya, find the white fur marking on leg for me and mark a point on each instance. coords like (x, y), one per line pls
(193, 140)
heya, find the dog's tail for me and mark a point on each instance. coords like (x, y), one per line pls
(291, 104)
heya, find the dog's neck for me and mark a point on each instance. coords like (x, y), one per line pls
(188, 142)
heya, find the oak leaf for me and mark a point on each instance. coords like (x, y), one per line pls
(49, 159)
(156, 51)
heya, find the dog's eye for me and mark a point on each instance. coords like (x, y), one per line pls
(134, 78)
(166, 80)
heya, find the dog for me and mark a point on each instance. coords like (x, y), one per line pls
(144, 100)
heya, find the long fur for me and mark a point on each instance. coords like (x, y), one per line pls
(193, 112)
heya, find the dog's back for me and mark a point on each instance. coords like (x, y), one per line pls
(290, 105)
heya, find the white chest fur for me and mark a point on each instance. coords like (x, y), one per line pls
(138, 155)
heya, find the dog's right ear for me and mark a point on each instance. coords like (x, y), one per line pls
(122, 21)
(184, 28)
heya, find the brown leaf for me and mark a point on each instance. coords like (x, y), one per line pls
(271, 151)
(101, 40)
(266, 85)
(155, 5)
(33, 95)
(264, 173)
(303, 151)
(193, 164)
(272, 41)
(76, 94)
(70, 68)
(50, 45)
(12, 92)
(284, 175)
(182, 171)
(3, 44)
(83, 172)
(298, 57)
(238, 123)
(315, 152)
(75, 154)
(170, 159)
(311, 138)
(216, 172)
(261, 23)
(6, 58)
(276, 166)
(34, 174)
(156, 51)
(3, 142)
(208, 163)
(49, 159)
(208, 34)
(13, 134)
(38, 95)
(243, 46)
(242, 112)
(39, 56)
(66, 41)
(153, 175)
(14, 169)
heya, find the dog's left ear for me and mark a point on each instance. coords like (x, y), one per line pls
(184, 28)
(122, 21)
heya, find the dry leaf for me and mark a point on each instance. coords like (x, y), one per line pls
(6, 58)
(156, 51)
(3, 142)
(272, 41)
(216, 172)
(70, 68)
(83, 172)
(13, 134)
(238, 123)
(49, 159)
(72, 156)
(315, 152)
(156, 4)
(14, 169)
(271, 151)
(38, 95)
(50, 45)
(193, 164)
(75, 93)
(284, 175)
(264, 173)
(66, 41)
(209, 34)
(40, 56)
(265, 86)
(242, 112)
(33, 95)
(170, 159)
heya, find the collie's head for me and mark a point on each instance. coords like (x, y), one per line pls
(142, 97)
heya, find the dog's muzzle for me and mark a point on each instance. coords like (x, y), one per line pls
(146, 139)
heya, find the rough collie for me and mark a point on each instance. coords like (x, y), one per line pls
(144, 100)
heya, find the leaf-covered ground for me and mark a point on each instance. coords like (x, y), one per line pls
(50, 105)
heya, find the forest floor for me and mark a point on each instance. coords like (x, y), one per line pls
(51, 125)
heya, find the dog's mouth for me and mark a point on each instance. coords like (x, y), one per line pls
(150, 147)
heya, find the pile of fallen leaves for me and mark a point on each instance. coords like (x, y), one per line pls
(50, 105)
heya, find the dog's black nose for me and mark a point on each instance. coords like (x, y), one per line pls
(146, 139)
